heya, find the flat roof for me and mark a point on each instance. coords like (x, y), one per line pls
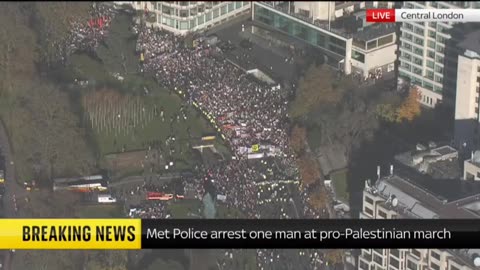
(375, 31)
(420, 202)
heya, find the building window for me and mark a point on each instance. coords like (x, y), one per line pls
(201, 20)
(434, 266)
(394, 262)
(395, 252)
(360, 57)
(183, 13)
(378, 259)
(369, 211)
(216, 13)
(371, 44)
(223, 10)
(435, 255)
(363, 265)
(379, 251)
(419, 31)
(382, 214)
(231, 6)
(454, 268)
(411, 265)
(416, 253)
(368, 200)
(385, 40)
(193, 12)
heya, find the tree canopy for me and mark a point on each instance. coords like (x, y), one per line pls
(406, 110)
(316, 88)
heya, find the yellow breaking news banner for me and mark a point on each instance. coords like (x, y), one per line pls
(70, 233)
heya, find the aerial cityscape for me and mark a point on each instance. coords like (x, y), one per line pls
(238, 110)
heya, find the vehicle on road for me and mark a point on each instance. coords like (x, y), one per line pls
(106, 198)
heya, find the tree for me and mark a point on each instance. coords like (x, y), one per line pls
(160, 264)
(410, 108)
(298, 136)
(52, 22)
(308, 168)
(106, 260)
(386, 112)
(316, 88)
(46, 134)
(17, 48)
(47, 259)
(334, 256)
(319, 199)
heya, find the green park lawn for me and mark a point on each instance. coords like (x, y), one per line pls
(117, 55)
(184, 208)
(100, 211)
(339, 182)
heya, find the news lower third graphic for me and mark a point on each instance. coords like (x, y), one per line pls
(186, 233)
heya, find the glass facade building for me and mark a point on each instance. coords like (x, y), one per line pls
(310, 33)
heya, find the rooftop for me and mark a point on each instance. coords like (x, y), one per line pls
(375, 31)
(345, 26)
(437, 162)
(415, 201)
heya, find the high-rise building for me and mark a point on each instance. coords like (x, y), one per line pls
(467, 119)
(422, 51)
(394, 197)
(184, 17)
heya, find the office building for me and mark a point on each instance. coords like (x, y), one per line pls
(184, 17)
(348, 43)
(395, 197)
(467, 120)
(422, 51)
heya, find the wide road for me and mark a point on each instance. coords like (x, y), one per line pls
(12, 189)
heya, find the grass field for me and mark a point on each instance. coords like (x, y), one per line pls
(121, 115)
(224, 212)
(100, 211)
(339, 182)
(185, 208)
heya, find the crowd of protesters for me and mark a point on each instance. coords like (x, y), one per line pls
(245, 111)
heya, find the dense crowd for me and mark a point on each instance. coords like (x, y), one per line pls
(86, 35)
(245, 111)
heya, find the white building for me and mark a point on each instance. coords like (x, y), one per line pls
(316, 10)
(184, 17)
(393, 197)
(367, 49)
(471, 167)
(422, 50)
(467, 120)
